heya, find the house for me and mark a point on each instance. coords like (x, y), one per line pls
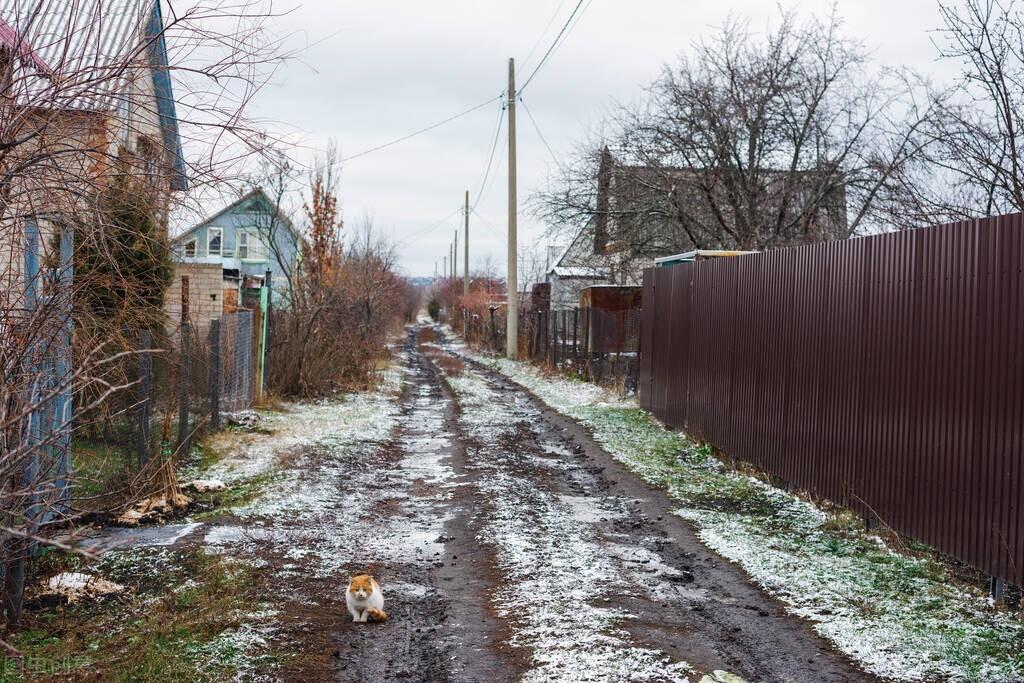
(643, 213)
(86, 92)
(245, 239)
(573, 271)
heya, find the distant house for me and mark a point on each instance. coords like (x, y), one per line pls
(573, 271)
(246, 239)
(643, 213)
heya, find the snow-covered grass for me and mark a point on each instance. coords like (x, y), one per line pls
(322, 511)
(900, 616)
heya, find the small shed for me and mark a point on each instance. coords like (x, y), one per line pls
(611, 315)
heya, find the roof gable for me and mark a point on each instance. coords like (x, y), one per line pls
(253, 201)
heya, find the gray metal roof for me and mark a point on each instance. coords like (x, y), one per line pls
(86, 44)
(90, 49)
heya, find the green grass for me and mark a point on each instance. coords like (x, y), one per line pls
(101, 472)
(176, 623)
(241, 492)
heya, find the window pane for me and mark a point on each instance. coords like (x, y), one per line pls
(213, 246)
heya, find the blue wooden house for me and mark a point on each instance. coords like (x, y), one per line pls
(246, 238)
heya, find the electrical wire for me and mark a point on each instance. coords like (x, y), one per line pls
(420, 131)
(433, 226)
(493, 228)
(547, 54)
(490, 157)
(543, 33)
(485, 191)
(529, 115)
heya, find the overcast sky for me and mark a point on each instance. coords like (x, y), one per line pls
(379, 70)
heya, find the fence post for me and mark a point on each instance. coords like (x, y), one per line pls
(494, 330)
(15, 549)
(63, 402)
(184, 371)
(575, 341)
(215, 374)
(585, 314)
(257, 357)
(142, 415)
(268, 279)
(565, 336)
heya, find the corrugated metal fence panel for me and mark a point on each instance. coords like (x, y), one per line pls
(884, 373)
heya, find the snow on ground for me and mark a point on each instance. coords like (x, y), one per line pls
(341, 421)
(901, 617)
(330, 470)
(557, 572)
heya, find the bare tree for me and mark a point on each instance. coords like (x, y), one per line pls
(347, 298)
(85, 99)
(972, 164)
(746, 143)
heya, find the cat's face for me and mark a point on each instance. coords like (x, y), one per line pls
(361, 586)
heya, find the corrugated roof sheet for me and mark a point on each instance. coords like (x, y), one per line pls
(86, 47)
(85, 44)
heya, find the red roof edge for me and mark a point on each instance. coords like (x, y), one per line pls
(10, 39)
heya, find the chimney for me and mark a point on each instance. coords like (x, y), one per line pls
(604, 183)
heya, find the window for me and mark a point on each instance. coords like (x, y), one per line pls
(190, 248)
(250, 246)
(214, 237)
(149, 156)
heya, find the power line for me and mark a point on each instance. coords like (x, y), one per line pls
(572, 28)
(544, 32)
(551, 47)
(490, 157)
(497, 231)
(420, 131)
(433, 226)
(529, 115)
(485, 191)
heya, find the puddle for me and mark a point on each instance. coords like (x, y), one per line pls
(121, 538)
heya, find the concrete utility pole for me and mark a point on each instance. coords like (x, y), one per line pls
(512, 323)
(455, 257)
(444, 267)
(465, 241)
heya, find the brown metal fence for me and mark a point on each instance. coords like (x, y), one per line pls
(885, 373)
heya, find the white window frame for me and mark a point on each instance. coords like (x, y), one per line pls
(209, 239)
(194, 244)
(256, 249)
(239, 246)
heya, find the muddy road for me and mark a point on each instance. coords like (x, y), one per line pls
(510, 546)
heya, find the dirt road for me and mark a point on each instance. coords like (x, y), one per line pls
(510, 547)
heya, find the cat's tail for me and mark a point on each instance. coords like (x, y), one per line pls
(376, 615)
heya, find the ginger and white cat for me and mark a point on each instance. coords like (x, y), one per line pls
(365, 600)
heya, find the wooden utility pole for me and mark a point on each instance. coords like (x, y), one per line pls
(512, 324)
(455, 257)
(465, 245)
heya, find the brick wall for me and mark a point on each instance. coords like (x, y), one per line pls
(206, 295)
